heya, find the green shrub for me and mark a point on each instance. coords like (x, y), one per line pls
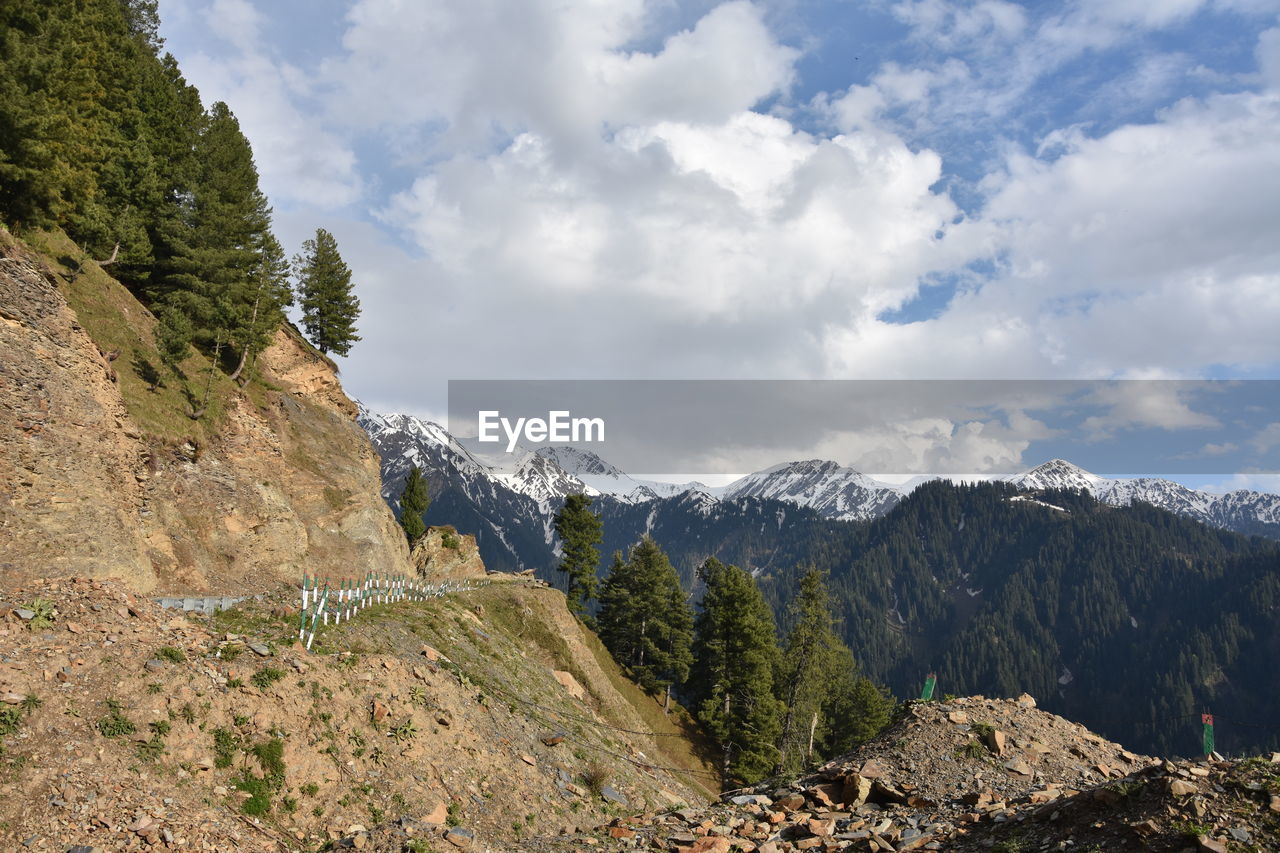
(405, 731)
(44, 614)
(115, 723)
(225, 745)
(265, 677)
(171, 654)
(151, 750)
(10, 719)
(270, 755)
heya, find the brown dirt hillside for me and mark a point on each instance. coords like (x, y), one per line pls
(103, 474)
(486, 714)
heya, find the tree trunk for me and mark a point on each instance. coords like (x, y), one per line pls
(813, 726)
(253, 328)
(728, 745)
(208, 385)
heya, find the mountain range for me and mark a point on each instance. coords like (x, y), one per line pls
(500, 500)
(1130, 605)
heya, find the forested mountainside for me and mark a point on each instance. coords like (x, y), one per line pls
(1130, 619)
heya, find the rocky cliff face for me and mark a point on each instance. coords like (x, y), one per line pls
(286, 483)
(444, 554)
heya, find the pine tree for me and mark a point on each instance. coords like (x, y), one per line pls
(329, 308)
(735, 656)
(808, 669)
(260, 316)
(414, 502)
(173, 337)
(854, 711)
(645, 620)
(580, 531)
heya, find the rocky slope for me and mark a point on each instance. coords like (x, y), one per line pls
(488, 714)
(102, 475)
(977, 775)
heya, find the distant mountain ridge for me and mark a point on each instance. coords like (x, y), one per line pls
(547, 475)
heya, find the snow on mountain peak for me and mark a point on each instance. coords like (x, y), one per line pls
(834, 491)
(828, 487)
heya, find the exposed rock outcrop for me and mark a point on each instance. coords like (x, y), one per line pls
(288, 482)
(444, 554)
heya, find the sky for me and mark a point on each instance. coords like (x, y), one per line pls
(779, 189)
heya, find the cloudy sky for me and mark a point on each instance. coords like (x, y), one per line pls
(809, 189)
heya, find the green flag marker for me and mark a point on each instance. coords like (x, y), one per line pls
(927, 693)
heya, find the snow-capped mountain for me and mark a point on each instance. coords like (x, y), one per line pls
(515, 500)
(1056, 474)
(605, 479)
(1244, 511)
(831, 489)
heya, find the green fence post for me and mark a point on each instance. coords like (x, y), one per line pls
(1207, 721)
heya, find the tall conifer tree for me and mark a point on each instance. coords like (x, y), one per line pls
(644, 619)
(579, 530)
(735, 656)
(414, 502)
(329, 307)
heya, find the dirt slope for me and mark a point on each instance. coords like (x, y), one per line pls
(102, 476)
(435, 712)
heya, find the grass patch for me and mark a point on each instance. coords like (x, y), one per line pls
(115, 723)
(251, 619)
(596, 777)
(172, 654)
(226, 744)
(1191, 829)
(265, 677)
(270, 755)
(10, 720)
(504, 608)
